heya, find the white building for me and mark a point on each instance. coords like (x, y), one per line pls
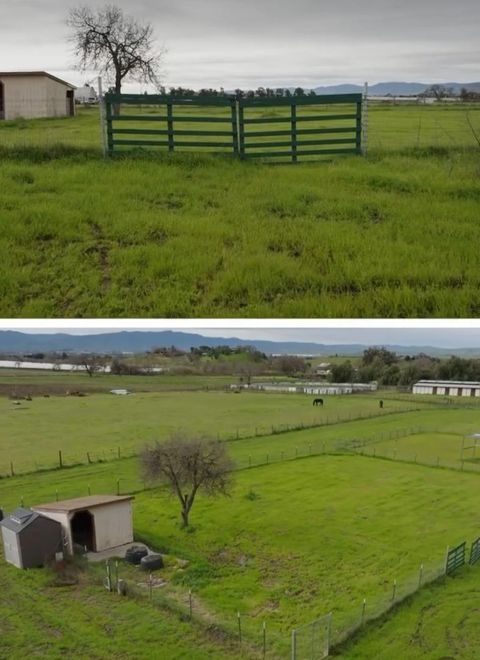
(311, 388)
(30, 94)
(96, 522)
(447, 387)
(86, 94)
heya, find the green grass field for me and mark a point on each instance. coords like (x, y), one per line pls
(34, 431)
(296, 539)
(192, 236)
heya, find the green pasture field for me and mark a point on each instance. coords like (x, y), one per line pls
(434, 448)
(84, 621)
(441, 621)
(34, 431)
(294, 541)
(390, 235)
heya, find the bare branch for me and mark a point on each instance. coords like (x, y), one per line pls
(186, 466)
(114, 44)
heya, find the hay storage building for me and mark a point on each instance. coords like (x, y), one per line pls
(447, 387)
(95, 523)
(30, 540)
(31, 94)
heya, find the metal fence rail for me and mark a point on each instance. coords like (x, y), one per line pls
(320, 133)
(158, 127)
(266, 128)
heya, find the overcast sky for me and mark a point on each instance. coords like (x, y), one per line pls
(438, 337)
(246, 43)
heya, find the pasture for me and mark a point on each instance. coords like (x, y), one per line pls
(182, 235)
(34, 431)
(294, 541)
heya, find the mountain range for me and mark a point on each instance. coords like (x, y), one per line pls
(394, 88)
(15, 343)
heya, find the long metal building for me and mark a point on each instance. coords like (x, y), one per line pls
(447, 387)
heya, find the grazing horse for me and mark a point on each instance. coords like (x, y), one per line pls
(380, 403)
(318, 402)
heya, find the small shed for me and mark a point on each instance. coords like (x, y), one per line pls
(95, 523)
(31, 94)
(30, 539)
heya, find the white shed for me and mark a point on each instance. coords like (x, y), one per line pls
(96, 522)
(31, 94)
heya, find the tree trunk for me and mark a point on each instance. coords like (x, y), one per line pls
(185, 517)
(118, 90)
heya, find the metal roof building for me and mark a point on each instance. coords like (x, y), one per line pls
(30, 539)
(447, 387)
(94, 523)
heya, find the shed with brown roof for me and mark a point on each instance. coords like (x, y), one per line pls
(94, 523)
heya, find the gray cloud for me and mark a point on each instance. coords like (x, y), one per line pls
(276, 42)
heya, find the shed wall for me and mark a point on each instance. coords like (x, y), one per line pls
(39, 542)
(25, 96)
(11, 548)
(113, 524)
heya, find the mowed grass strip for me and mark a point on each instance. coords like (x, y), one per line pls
(391, 235)
(35, 431)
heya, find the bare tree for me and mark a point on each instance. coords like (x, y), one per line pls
(114, 44)
(187, 465)
(90, 362)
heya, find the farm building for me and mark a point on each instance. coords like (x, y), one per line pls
(30, 539)
(447, 387)
(311, 388)
(30, 94)
(95, 523)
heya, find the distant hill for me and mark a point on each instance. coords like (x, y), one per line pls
(393, 88)
(12, 342)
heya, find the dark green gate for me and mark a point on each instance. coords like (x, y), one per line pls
(275, 128)
(170, 122)
(298, 127)
(455, 558)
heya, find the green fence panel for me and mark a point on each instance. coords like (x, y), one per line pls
(151, 120)
(455, 558)
(475, 551)
(258, 143)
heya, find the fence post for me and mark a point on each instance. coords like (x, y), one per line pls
(364, 607)
(239, 628)
(241, 130)
(234, 104)
(394, 591)
(12, 471)
(264, 639)
(294, 131)
(171, 145)
(60, 461)
(108, 120)
(101, 106)
(420, 576)
(446, 559)
(294, 644)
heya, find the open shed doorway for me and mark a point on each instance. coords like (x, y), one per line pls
(70, 103)
(2, 100)
(83, 530)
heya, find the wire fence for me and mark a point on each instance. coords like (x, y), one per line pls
(391, 126)
(62, 459)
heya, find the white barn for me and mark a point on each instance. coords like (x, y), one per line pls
(96, 522)
(447, 387)
(31, 94)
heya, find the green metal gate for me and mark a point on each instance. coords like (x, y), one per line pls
(273, 128)
(300, 126)
(170, 122)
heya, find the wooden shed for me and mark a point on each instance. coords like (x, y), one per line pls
(31, 94)
(94, 523)
(30, 539)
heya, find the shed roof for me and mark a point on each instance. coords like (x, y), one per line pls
(449, 383)
(79, 503)
(19, 519)
(16, 74)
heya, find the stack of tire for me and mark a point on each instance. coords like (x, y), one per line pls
(139, 556)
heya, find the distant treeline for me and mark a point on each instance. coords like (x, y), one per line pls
(388, 368)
